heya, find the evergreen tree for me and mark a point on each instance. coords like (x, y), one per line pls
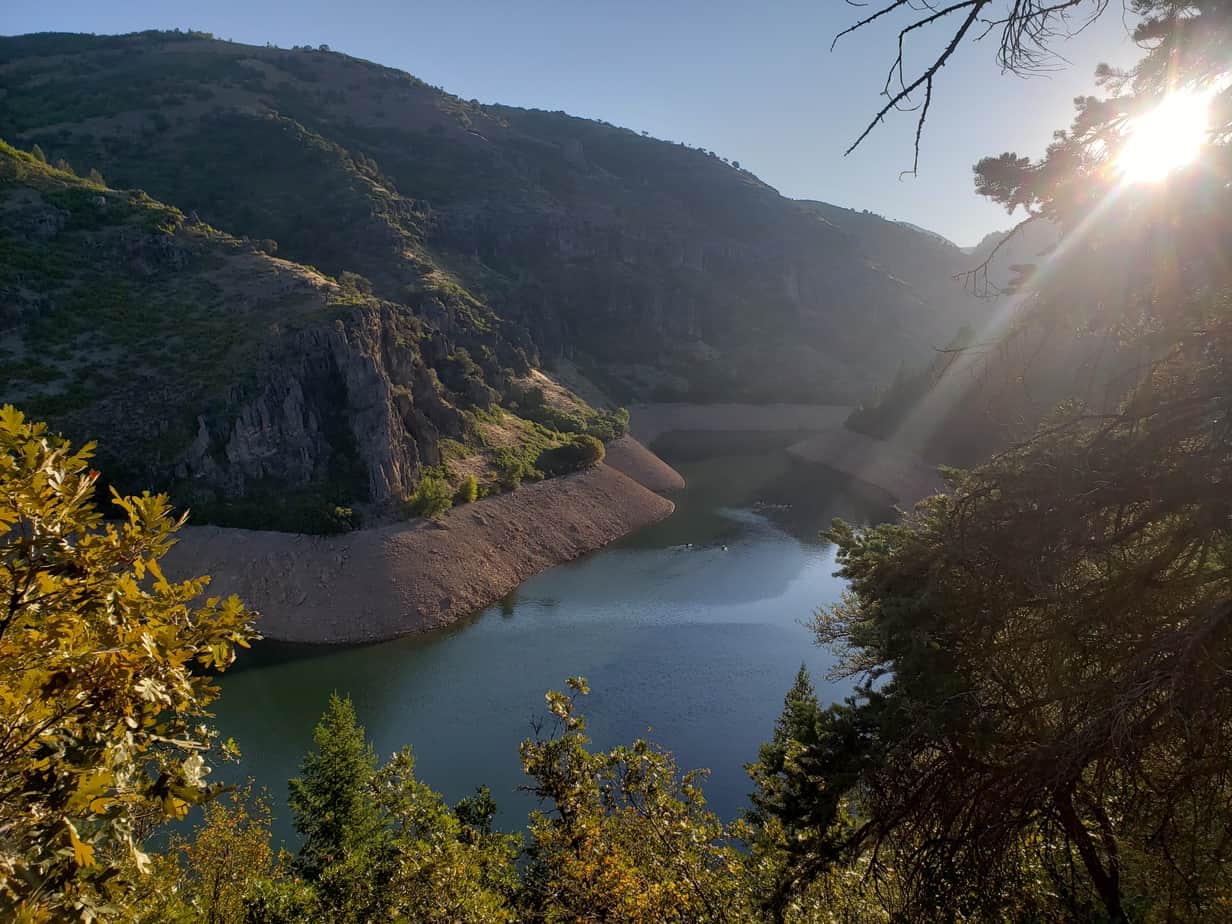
(776, 770)
(37, 153)
(332, 800)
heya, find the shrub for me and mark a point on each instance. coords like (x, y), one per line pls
(513, 466)
(609, 426)
(432, 498)
(469, 492)
(105, 678)
(345, 518)
(354, 282)
(581, 451)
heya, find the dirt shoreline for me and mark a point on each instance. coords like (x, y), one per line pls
(378, 584)
(385, 582)
(903, 477)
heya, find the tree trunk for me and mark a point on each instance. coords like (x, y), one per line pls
(1106, 880)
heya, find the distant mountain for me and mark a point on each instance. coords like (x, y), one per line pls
(473, 243)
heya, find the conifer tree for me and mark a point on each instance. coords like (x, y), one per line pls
(777, 770)
(331, 799)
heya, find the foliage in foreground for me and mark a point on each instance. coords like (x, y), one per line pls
(104, 680)
(622, 836)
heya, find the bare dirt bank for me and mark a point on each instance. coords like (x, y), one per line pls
(381, 583)
(649, 421)
(904, 476)
(631, 458)
(891, 470)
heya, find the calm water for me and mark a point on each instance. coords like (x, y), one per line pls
(690, 632)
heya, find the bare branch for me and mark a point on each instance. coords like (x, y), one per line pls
(927, 77)
(975, 280)
(1028, 29)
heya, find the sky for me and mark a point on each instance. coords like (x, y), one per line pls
(754, 82)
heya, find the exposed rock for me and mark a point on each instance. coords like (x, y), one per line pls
(383, 408)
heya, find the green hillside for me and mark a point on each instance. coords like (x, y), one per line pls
(258, 390)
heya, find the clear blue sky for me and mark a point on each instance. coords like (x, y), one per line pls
(752, 81)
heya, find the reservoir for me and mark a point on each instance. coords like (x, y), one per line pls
(690, 632)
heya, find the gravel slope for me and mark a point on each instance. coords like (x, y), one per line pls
(376, 584)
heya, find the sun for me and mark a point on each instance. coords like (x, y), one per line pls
(1165, 139)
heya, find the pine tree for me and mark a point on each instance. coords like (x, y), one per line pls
(37, 153)
(332, 800)
(777, 772)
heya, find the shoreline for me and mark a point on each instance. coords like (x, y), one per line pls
(820, 439)
(903, 476)
(410, 578)
(419, 576)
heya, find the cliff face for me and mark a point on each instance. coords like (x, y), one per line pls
(325, 391)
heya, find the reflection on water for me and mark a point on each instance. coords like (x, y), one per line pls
(689, 631)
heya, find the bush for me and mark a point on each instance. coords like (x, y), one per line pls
(581, 451)
(610, 426)
(345, 518)
(512, 467)
(432, 498)
(95, 640)
(469, 492)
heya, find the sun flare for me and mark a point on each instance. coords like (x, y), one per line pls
(1165, 139)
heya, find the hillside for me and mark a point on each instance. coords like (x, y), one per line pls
(346, 278)
(661, 269)
(256, 390)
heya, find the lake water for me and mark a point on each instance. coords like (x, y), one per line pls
(690, 633)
